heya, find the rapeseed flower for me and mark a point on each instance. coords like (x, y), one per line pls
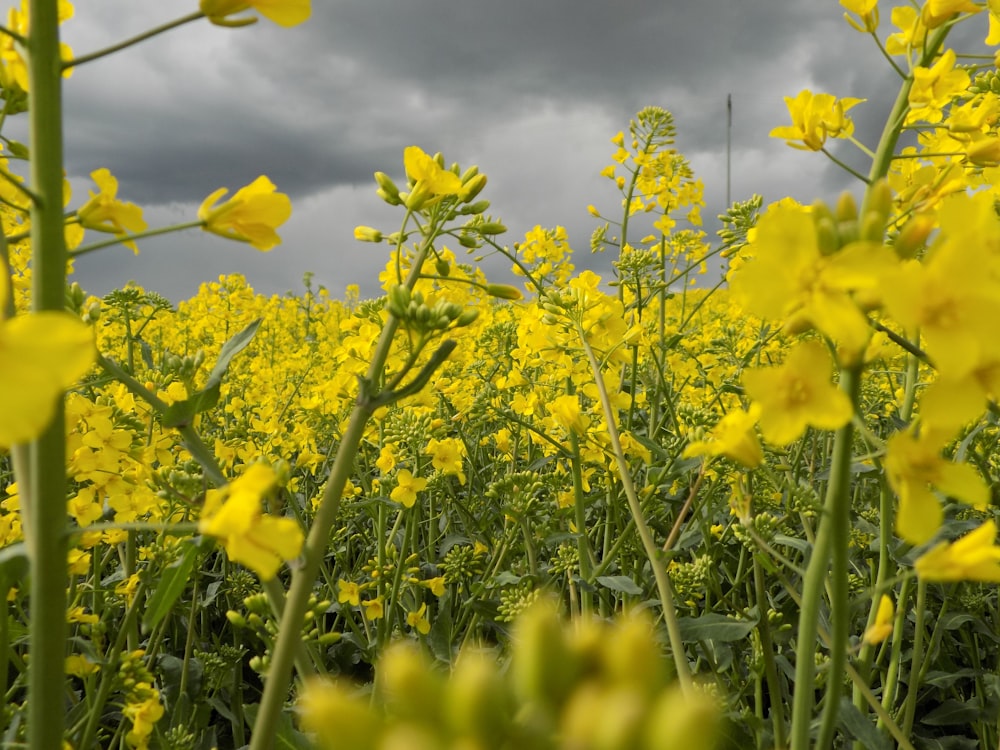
(407, 487)
(44, 353)
(882, 627)
(282, 12)
(935, 87)
(418, 620)
(815, 117)
(791, 280)
(105, 213)
(973, 557)
(251, 215)
(733, 437)
(798, 394)
(914, 466)
(234, 515)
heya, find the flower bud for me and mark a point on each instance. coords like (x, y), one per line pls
(477, 704)
(367, 234)
(491, 227)
(912, 236)
(847, 209)
(467, 317)
(473, 188)
(542, 669)
(872, 227)
(879, 199)
(503, 291)
(387, 186)
(827, 236)
(985, 152)
(691, 720)
(411, 688)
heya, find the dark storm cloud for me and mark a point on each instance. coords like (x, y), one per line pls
(531, 91)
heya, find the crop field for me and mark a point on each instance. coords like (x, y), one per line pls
(650, 509)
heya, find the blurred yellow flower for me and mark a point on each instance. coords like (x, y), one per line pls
(282, 12)
(234, 515)
(733, 437)
(251, 215)
(348, 593)
(974, 557)
(798, 394)
(913, 466)
(105, 213)
(45, 353)
(882, 627)
(373, 608)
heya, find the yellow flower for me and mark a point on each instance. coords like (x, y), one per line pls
(80, 666)
(44, 353)
(407, 487)
(882, 627)
(914, 465)
(436, 585)
(798, 394)
(867, 10)
(251, 215)
(282, 12)
(814, 118)
(143, 716)
(937, 12)
(234, 516)
(935, 87)
(373, 608)
(565, 410)
(428, 175)
(911, 34)
(791, 280)
(418, 620)
(105, 213)
(349, 593)
(733, 437)
(974, 557)
(447, 456)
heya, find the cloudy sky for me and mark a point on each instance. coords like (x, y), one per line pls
(530, 90)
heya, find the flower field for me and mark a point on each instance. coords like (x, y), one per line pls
(652, 510)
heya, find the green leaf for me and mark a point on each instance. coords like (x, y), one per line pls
(714, 627)
(861, 728)
(170, 586)
(13, 565)
(181, 413)
(954, 713)
(621, 584)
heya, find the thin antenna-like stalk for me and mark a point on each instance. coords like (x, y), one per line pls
(729, 148)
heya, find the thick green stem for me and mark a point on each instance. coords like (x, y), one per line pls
(830, 545)
(280, 672)
(45, 519)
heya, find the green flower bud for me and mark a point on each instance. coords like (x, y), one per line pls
(491, 227)
(913, 236)
(442, 267)
(387, 186)
(411, 688)
(691, 721)
(873, 227)
(236, 619)
(847, 209)
(474, 187)
(467, 317)
(337, 716)
(416, 198)
(390, 199)
(477, 704)
(827, 236)
(467, 240)
(542, 669)
(503, 291)
(475, 208)
(879, 199)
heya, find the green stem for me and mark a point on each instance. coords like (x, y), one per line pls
(78, 61)
(913, 681)
(830, 545)
(303, 577)
(767, 651)
(45, 521)
(120, 239)
(645, 535)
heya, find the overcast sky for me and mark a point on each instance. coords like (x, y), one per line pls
(530, 90)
